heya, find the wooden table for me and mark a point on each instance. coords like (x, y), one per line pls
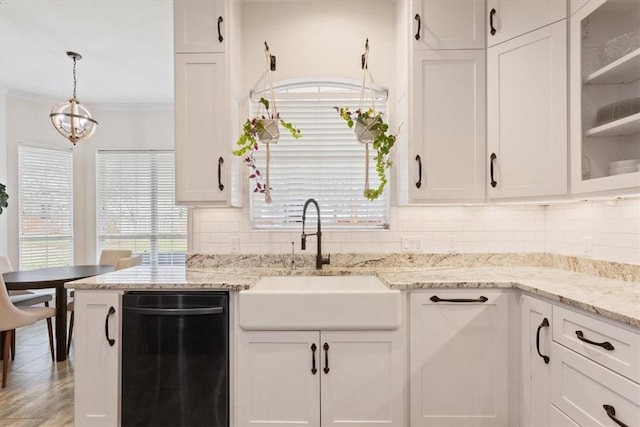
(54, 277)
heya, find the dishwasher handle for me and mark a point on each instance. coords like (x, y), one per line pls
(176, 311)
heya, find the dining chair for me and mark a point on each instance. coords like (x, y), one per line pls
(25, 298)
(128, 262)
(111, 256)
(5, 267)
(12, 317)
(122, 263)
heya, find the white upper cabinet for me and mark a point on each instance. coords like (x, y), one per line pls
(527, 115)
(605, 97)
(448, 24)
(202, 147)
(204, 113)
(199, 26)
(507, 19)
(448, 126)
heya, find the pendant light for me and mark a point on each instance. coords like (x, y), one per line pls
(71, 119)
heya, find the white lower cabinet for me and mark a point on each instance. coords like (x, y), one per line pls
(536, 319)
(97, 358)
(590, 394)
(559, 419)
(459, 358)
(320, 378)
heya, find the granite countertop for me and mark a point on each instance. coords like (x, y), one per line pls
(612, 298)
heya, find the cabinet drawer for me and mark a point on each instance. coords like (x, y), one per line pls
(581, 388)
(623, 353)
(559, 419)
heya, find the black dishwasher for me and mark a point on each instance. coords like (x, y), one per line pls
(175, 359)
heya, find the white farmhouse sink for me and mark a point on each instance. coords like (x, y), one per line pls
(319, 302)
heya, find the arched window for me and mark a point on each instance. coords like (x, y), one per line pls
(326, 164)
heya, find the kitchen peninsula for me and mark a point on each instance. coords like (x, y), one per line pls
(510, 291)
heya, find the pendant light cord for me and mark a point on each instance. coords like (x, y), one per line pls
(74, 77)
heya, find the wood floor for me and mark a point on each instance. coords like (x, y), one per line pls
(39, 392)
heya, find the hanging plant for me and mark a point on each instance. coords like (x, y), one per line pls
(3, 197)
(371, 128)
(263, 128)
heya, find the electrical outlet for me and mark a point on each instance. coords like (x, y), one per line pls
(411, 243)
(235, 244)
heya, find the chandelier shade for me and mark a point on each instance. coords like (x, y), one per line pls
(71, 119)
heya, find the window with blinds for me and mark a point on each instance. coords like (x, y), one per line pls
(327, 163)
(136, 206)
(46, 207)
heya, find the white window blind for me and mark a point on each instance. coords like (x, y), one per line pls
(326, 164)
(136, 206)
(46, 207)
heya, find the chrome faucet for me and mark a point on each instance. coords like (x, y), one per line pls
(303, 245)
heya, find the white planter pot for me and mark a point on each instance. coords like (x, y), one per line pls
(364, 132)
(270, 132)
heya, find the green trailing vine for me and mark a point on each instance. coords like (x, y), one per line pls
(248, 143)
(3, 197)
(382, 143)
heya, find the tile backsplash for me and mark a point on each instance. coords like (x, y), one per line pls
(606, 230)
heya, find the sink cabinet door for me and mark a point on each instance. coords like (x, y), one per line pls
(362, 378)
(459, 359)
(276, 385)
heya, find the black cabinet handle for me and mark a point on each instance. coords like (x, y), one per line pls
(111, 341)
(419, 160)
(313, 358)
(417, 18)
(220, 38)
(491, 160)
(544, 324)
(326, 358)
(606, 345)
(491, 14)
(220, 163)
(611, 412)
(436, 298)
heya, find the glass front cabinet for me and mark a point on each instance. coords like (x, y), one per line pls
(605, 97)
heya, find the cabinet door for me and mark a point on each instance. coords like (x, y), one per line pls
(448, 24)
(276, 382)
(448, 126)
(458, 358)
(362, 378)
(199, 26)
(527, 114)
(602, 78)
(202, 148)
(536, 371)
(515, 17)
(97, 369)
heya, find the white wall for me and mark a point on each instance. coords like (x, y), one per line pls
(439, 229)
(120, 128)
(318, 38)
(605, 230)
